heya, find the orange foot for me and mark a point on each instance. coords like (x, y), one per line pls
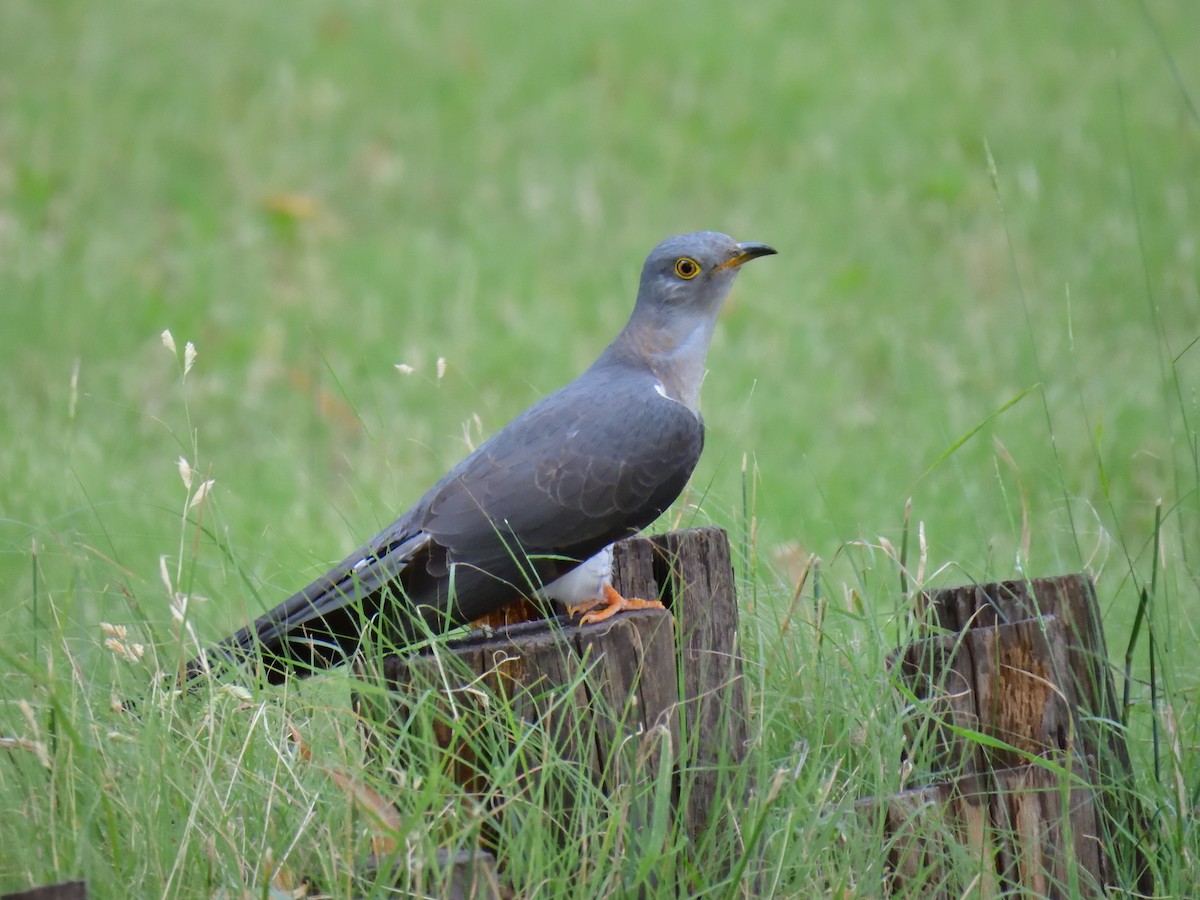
(611, 604)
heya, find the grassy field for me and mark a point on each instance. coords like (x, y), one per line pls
(985, 302)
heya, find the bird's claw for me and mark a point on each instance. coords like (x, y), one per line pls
(609, 605)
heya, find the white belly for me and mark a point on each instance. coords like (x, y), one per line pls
(585, 582)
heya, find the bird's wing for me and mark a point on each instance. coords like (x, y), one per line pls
(594, 462)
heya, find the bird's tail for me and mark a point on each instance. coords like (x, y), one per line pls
(322, 625)
(317, 628)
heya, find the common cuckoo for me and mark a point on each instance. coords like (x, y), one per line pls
(536, 508)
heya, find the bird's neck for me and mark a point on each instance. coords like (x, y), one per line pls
(675, 356)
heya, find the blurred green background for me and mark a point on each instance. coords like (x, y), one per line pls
(315, 192)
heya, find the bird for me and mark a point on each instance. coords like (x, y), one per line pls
(535, 509)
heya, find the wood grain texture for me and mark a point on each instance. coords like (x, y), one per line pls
(692, 573)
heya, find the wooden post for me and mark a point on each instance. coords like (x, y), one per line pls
(691, 571)
(68, 890)
(1041, 792)
(652, 677)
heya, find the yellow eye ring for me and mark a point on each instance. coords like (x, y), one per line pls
(687, 268)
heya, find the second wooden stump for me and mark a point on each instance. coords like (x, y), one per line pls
(1022, 721)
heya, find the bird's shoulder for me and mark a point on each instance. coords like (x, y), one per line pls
(609, 446)
(612, 412)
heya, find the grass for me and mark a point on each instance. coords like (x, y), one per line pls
(314, 195)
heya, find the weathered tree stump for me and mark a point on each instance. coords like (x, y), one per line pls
(614, 696)
(68, 890)
(1022, 721)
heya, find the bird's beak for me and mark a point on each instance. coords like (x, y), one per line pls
(746, 252)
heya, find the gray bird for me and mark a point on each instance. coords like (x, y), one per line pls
(594, 462)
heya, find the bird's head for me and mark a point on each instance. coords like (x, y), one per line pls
(685, 280)
(690, 274)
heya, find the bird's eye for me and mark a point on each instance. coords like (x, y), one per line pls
(687, 268)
